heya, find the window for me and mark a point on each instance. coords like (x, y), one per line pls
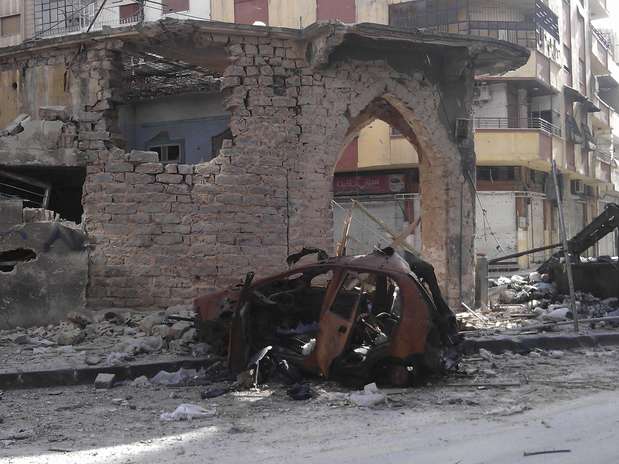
(9, 25)
(172, 6)
(250, 11)
(492, 174)
(567, 56)
(343, 10)
(168, 153)
(60, 16)
(170, 150)
(129, 13)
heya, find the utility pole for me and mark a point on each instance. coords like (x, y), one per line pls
(566, 251)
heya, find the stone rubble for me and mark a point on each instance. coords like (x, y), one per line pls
(520, 301)
(101, 338)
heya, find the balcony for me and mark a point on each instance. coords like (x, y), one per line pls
(601, 119)
(529, 142)
(603, 167)
(518, 21)
(602, 51)
(539, 75)
(77, 16)
(599, 9)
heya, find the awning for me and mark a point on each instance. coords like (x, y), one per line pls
(573, 94)
(607, 82)
(576, 96)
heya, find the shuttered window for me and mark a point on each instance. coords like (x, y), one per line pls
(172, 6)
(10, 25)
(342, 10)
(250, 11)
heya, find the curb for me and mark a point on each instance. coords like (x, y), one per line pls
(526, 343)
(87, 375)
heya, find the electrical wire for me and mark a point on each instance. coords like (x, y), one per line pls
(484, 212)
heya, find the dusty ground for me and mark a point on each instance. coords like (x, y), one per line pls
(79, 424)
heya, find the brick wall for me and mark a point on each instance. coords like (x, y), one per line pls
(161, 235)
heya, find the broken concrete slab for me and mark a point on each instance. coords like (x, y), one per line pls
(105, 381)
(15, 126)
(11, 212)
(47, 143)
(54, 113)
(43, 289)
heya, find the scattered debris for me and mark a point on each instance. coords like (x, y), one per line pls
(300, 392)
(174, 379)
(536, 453)
(370, 396)
(141, 382)
(214, 392)
(186, 412)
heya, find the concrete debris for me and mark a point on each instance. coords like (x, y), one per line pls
(533, 301)
(509, 410)
(141, 382)
(105, 381)
(92, 360)
(70, 337)
(175, 379)
(370, 396)
(135, 346)
(93, 338)
(15, 126)
(187, 412)
(53, 113)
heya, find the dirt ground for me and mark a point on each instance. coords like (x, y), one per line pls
(81, 424)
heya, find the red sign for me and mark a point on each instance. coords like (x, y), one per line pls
(369, 184)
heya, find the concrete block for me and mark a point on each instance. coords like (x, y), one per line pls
(15, 126)
(53, 113)
(11, 212)
(105, 381)
(143, 156)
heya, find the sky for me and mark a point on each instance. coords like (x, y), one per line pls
(612, 22)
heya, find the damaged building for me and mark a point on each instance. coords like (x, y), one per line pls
(186, 152)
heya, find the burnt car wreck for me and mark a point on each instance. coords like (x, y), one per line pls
(356, 319)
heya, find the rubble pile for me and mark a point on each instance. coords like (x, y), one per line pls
(528, 301)
(101, 338)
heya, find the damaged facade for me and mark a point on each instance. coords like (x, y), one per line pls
(160, 231)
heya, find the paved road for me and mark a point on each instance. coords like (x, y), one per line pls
(588, 426)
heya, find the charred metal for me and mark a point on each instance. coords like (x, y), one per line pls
(376, 317)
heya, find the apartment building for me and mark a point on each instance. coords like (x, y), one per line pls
(562, 105)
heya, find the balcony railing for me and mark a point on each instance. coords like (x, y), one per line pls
(518, 24)
(77, 16)
(604, 155)
(517, 123)
(603, 38)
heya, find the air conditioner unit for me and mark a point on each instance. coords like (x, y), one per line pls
(482, 93)
(462, 128)
(577, 187)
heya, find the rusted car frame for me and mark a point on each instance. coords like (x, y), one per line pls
(373, 316)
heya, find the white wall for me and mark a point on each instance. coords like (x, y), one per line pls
(496, 107)
(501, 220)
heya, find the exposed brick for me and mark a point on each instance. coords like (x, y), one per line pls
(170, 178)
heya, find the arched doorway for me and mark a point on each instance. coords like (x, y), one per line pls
(412, 107)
